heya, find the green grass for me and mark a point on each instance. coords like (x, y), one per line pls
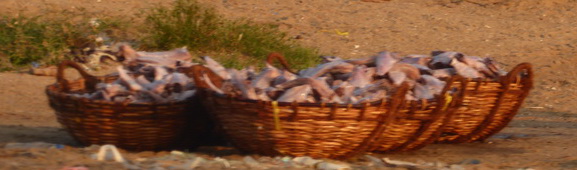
(235, 43)
(46, 40)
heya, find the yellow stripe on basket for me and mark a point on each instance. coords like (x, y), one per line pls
(448, 99)
(275, 111)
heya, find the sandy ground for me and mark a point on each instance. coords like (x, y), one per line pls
(512, 31)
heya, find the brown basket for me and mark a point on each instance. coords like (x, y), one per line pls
(487, 106)
(296, 129)
(145, 126)
(416, 123)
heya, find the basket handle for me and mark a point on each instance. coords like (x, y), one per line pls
(197, 72)
(281, 59)
(89, 80)
(524, 71)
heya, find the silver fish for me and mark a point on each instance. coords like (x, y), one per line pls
(492, 65)
(239, 82)
(296, 94)
(184, 95)
(422, 92)
(216, 67)
(442, 59)
(372, 97)
(337, 66)
(416, 59)
(410, 71)
(397, 77)
(443, 73)
(284, 77)
(142, 80)
(477, 63)
(170, 59)
(132, 84)
(265, 78)
(384, 61)
(464, 70)
(362, 61)
(434, 83)
(320, 86)
(359, 77)
(159, 73)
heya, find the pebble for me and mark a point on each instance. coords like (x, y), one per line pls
(332, 166)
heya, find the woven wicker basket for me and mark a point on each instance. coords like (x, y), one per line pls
(137, 127)
(322, 130)
(487, 106)
(416, 123)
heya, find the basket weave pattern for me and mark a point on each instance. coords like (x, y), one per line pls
(486, 106)
(146, 126)
(327, 132)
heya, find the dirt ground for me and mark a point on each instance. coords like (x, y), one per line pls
(541, 32)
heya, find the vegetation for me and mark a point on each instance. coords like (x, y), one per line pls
(235, 43)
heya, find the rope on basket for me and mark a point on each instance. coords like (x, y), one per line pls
(275, 111)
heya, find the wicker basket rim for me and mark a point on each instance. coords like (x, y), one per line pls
(52, 90)
(337, 105)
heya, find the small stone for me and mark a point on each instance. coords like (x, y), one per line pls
(400, 163)
(178, 153)
(195, 162)
(223, 161)
(250, 161)
(375, 161)
(456, 167)
(306, 161)
(332, 166)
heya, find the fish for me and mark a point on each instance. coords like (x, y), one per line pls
(384, 61)
(245, 88)
(416, 59)
(422, 92)
(172, 58)
(296, 94)
(265, 77)
(478, 64)
(434, 83)
(465, 70)
(444, 72)
(372, 97)
(442, 59)
(159, 73)
(132, 84)
(492, 65)
(337, 66)
(409, 70)
(216, 67)
(369, 61)
(359, 77)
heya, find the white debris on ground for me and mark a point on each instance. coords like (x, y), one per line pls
(109, 154)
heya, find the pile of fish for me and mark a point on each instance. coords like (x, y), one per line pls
(352, 81)
(147, 77)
